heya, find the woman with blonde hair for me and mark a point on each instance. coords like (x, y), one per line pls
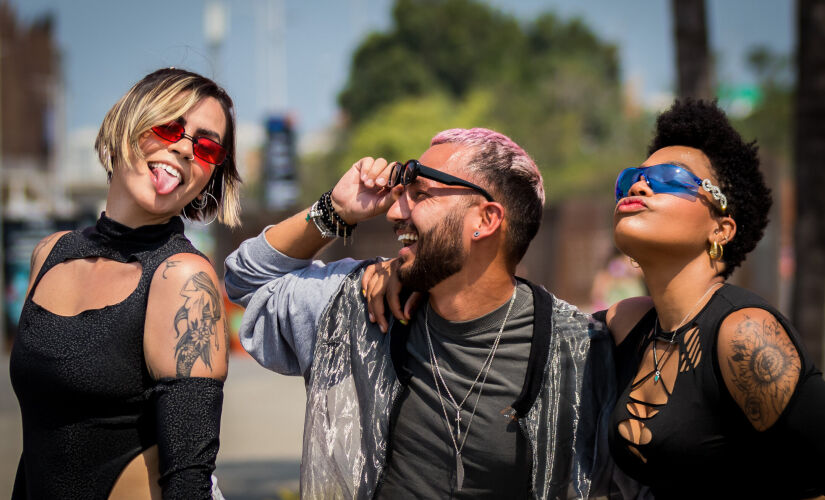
(122, 349)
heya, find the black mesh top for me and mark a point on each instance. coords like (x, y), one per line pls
(84, 391)
(701, 444)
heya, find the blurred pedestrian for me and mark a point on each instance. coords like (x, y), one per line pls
(122, 349)
(619, 279)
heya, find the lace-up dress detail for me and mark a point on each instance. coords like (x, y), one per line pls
(683, 434)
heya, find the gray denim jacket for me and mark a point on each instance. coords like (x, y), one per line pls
(309, 318)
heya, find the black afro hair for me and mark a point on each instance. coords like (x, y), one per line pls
(702, 125)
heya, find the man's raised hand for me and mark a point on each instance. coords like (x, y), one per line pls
(363, 192)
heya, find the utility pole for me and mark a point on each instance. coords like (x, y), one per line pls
(271, 56)
(214, 30)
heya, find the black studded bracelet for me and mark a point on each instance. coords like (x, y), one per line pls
(329, 223)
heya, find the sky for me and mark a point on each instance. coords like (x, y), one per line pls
(107, 45)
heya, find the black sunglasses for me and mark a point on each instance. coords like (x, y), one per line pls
(405, 173)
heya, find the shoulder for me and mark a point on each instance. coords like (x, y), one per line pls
(44, 247)
(185, 330)
(42, 250)
(181, 267)
(622, 316)
(759, 364)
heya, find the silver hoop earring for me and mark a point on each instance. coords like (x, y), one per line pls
(183, 214)
(199, 203)
(214, 216)
(203, 201)
(200, 206)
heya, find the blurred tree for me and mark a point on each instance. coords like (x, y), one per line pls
(809, 150)
(435, 45)
(769, 123)
(551, 85)
(692, 56)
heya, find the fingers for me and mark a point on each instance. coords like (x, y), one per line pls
(375, 300)
(412, 304)
(369, 271)
(394, 293)
(374, 172)
(362, 192)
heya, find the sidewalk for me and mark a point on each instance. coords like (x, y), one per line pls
(261, 431)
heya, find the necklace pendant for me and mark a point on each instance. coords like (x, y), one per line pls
(458, 423)
(459, 472)
(656, 377)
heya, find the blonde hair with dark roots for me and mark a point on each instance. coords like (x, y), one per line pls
(160, 97)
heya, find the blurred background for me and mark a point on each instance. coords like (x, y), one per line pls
(320, 83)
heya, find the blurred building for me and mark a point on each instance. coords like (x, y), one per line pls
(31, 115)
(31, 134)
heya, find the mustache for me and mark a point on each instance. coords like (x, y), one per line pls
(404, 226)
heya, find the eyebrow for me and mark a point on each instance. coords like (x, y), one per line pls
(201, 132)
(417, 184)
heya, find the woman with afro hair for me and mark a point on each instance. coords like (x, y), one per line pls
(718, 397)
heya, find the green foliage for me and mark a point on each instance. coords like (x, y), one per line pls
(770, 121)
(383, 71)
(403, 129)
(552, 85)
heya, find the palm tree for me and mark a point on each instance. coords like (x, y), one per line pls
(692, 56)
(809, 152)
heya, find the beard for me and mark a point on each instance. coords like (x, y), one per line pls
(439, 255)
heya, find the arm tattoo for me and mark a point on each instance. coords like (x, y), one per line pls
(196, 323)
(764, 367)
(169, 263)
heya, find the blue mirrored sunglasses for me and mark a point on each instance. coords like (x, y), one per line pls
(667, 178)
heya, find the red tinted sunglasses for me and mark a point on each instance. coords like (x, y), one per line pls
(203, 147)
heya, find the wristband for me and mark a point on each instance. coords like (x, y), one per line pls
(329, 223)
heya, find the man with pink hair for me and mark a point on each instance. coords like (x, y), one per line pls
(494, 388)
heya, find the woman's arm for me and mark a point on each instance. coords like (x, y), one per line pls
(186, 348)
(759, 363)
(185, 331)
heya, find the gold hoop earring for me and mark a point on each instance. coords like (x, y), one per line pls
(716, 251)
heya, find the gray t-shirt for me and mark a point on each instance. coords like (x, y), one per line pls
(496, 456)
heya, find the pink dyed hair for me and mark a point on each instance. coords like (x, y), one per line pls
(486, 139)
(509, 174)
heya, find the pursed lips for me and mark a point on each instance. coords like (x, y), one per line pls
(630, 204)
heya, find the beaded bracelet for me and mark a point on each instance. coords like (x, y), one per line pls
(329, 223)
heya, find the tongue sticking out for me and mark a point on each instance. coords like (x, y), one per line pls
(164, 182)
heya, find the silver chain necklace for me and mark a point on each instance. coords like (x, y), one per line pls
(658, 373)
(455, 438)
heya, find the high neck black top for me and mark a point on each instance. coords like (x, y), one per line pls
(84, 390)
(701, 443)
